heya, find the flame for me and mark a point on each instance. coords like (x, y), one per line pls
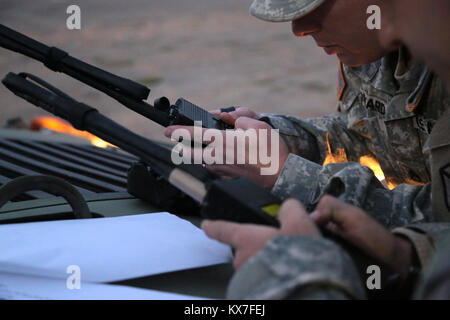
(335, 158)
(58, 125)
(373, 165)
(367, 161)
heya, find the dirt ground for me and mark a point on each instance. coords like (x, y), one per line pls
(211, 52)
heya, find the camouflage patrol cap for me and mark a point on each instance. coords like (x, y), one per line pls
(282, 10)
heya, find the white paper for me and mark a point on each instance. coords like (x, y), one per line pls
(108, 249)
(20, 287)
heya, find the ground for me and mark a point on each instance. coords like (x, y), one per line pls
(211, 52)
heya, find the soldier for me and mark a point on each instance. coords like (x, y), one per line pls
(387, 107)
(423, 26)
(307, 266)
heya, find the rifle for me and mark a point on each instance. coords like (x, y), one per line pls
(237, 199)
(127, 92)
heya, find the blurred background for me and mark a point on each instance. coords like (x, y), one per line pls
(211, 52)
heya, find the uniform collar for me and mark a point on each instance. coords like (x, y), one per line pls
(402, 68)
(392, 71)
(412, 79)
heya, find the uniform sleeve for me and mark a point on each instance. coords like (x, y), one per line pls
(356, 185)
(425, 238)
(315, 138)
(297, 267)
(434, 283)
(431, 242)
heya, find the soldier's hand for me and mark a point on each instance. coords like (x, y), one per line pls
(248, 239)
(357, 227)
(260, 158)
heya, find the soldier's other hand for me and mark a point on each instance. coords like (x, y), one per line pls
(231, 117)
(259, 158)
(248, 239)
(253, 171)
(359, 228)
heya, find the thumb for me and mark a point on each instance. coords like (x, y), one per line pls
(295, 220)
(330, 210)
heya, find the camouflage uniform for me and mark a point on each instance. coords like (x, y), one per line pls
(292, 267)
(297, 267)
(435, 280)
(386, 112)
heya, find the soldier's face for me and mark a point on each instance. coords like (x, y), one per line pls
(423, 26)
(339, 27)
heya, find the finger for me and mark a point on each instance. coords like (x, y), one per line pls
(239, 259)
(222, 231)
(227, 117)
(330, 209)
(295, 220)
(354, 225)
(243, 112)
(291, 214)
(246, 123)
(169, 130)
(335, 229)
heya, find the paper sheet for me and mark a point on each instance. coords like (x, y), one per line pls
(19, 287)
(108, 249)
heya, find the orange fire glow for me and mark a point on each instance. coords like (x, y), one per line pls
(372, 164)
(61, 126)
(367, 161)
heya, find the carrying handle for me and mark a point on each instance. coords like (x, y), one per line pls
(53, 185)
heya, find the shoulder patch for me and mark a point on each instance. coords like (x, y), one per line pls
(341, 83)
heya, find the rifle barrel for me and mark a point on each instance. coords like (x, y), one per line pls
(129, 93)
